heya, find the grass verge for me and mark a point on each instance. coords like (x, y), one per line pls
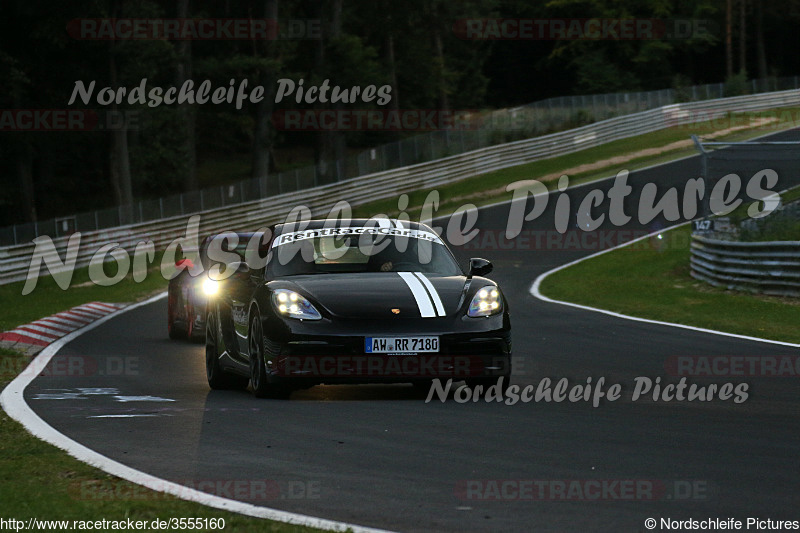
(40, 481)
(616, 281)
(48, 298)
(632, 153)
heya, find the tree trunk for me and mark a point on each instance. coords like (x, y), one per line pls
(261, 130)
(742, 36)
(729, 39)
(24, 157)
(761, 52)
(183, 72)
(395, 102)
(331, 145)
(120, 166)
(444, 100)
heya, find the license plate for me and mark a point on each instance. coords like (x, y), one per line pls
(426, 344)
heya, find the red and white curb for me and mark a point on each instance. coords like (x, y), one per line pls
(12, 400)
(32, 338)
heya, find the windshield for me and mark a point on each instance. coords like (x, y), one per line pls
(362, 253)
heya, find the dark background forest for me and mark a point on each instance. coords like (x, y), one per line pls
(410, 45)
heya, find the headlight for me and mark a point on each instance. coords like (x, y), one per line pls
(486, 302)
(210, 287)
(289, 303)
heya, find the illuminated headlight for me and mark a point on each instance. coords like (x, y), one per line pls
(289, 303)
(210, 287)
(486, 302)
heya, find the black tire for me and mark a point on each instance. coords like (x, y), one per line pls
(218, 379)
(192, 333)
(173, 328)
(262, 384)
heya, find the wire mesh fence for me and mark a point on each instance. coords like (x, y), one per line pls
(496, 127)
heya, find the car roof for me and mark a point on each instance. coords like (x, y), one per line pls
(352, 223)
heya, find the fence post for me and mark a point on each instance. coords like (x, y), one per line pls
(706, 204)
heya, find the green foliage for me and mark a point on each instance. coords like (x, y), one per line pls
(681, 84)
(411, 44)
(660, 269)
(737, 85)
(781, 225)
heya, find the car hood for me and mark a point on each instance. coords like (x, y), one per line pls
(383, 294)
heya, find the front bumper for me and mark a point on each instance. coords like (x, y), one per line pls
(309, 353)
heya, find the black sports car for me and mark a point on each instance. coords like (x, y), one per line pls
(359, 302)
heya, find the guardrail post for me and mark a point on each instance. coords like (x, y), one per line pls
(706, 203)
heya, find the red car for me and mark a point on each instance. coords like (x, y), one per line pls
(186, 313)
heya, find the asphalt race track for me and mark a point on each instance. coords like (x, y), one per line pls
(379, 456)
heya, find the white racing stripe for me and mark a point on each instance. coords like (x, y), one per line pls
(426, 299)
(420, 294)
(432, 291)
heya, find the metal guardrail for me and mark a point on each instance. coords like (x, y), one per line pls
(490, 129)
(764, 267)
(15, 260)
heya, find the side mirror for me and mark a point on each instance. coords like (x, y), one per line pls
(479, 267)
(242, 271)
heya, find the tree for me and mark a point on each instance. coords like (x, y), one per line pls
(183, 72)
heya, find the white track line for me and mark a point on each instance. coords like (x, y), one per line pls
(534, 290)
(13, 402)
